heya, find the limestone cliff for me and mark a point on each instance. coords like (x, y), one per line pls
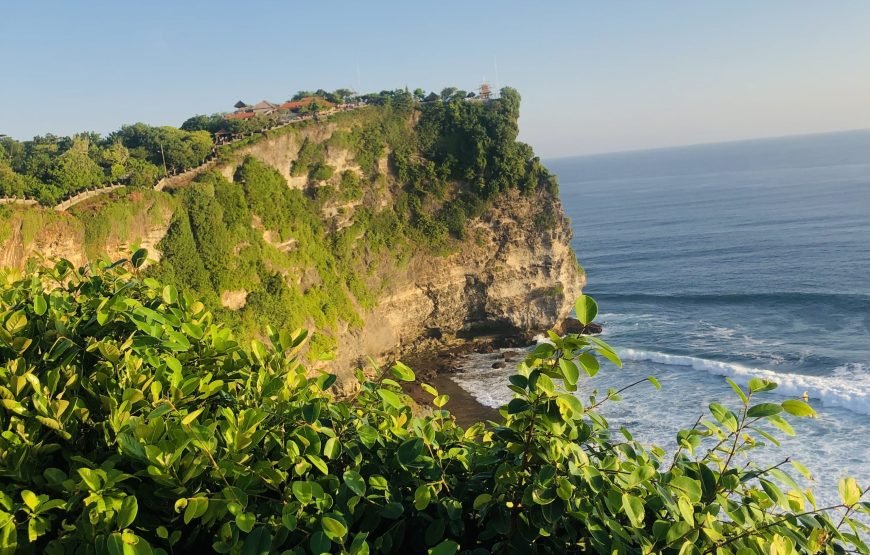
(511, 279)
(513, 272)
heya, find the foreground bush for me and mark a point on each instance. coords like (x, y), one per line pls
(132, 423)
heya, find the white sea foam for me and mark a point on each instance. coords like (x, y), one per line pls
(848, 387)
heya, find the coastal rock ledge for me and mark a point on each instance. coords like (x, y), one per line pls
(514, 277)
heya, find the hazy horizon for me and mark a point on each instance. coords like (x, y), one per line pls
(594, 78)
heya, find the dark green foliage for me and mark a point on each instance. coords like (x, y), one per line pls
(175, 148)
(181, 264)
(208, 227)
(133, 424)
(476, 142)
(50, 168)
(310, 154)
(349, 187)
(212, 123)
(321, 172)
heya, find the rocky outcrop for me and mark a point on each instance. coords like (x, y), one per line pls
(48, 234)
(510, 278)
(41, 234)
(573, 325)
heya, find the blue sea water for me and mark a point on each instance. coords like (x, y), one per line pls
(739, 259)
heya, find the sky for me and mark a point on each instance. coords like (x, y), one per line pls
(594, 76)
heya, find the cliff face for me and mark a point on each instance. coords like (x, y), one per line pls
(109, 226)
(514, 272)
(509, 278)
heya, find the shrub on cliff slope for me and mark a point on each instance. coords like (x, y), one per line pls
(132, 423)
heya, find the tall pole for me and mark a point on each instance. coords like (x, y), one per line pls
(165, 171)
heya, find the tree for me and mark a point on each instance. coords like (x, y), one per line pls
(342, 96)
(419, 93)
(301, 94)
(142, 173)
(115, 157)
(212, 123)
(447, 92)
(75, 169)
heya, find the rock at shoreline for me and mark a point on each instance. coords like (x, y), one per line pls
(499, 364)
(573, 325)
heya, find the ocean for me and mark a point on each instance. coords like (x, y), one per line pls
(738, 259)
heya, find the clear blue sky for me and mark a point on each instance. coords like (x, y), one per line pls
(595, 76)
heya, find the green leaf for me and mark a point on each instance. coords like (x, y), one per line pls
(91, 478)
(589, 363)
(654, 382)
(40, 306)
(319, 543)
(392, 510)
(802, 469)
(8, 536)
(409, 450)
(605, 350)
(30, 499)
(333, 528)
(757, 385)
(798, 408)
(422, 496)
(139, 257)
(402, 372)
(114, 544)
(569, 406)
(429, 389)
(258, 542)
(306, 491)
(481, 501)
(634, 510)
(850, 493)
(246, 521)
(127, 513)
(188, 420)
(738, 391)
(288, 519)
(170, 294)
(359, 545)
(686, 509)
(391, 398)
(782, 424)
(516, 406)
(354, 482)
(332, 448)
(763, 409)
(196, 507)
(570, 372)
(586, 308)
(688, 487)
(447, 547)
(16, 322)
(318, 463)
(677, 531)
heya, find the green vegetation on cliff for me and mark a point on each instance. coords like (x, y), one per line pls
(132, 423)
(369, 188)
(298, 267)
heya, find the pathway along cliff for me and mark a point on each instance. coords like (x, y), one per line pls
(338, 227)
